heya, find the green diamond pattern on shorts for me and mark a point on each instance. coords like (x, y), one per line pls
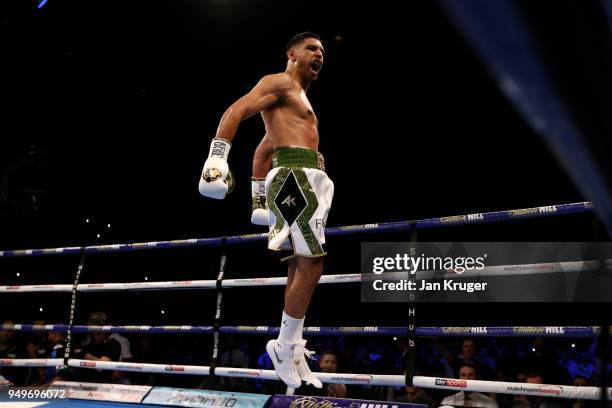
(304, 218)
(275, 187)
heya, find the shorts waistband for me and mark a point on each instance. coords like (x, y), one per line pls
(298, 157)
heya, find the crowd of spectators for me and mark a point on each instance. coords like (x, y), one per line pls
(531, 360)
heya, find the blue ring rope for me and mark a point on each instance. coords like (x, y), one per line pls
(505, 331)
(465, 219)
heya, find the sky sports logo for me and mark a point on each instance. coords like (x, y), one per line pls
(447, 382)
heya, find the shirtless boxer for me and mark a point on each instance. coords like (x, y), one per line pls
(298, 191)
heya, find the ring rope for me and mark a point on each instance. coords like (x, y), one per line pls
(190, 284)
(447, 331)
(465, 219)
(497, 270)
(263, 374)
(515, 388)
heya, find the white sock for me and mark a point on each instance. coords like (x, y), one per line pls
(290, 329)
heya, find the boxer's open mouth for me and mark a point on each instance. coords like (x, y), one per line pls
(315, 65)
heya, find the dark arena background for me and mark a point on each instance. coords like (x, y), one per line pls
(426, 109)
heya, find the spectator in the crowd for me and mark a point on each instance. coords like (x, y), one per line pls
(328, 363)
(445, 361)
(37, 348)
(122, 377)
(582, 381)
(529, 401)
(416, 395)
(233, 356)
(507, 400)
(100, 348)
(56, 345)
(543, 359)
(37, 344)
(126, 349)
(10, 349)
(146, 352)
(469, 371)
(468, 355)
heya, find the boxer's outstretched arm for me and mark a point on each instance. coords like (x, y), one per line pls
(268, 91)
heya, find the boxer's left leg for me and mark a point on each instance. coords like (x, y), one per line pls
(297, 300)
(306, 276)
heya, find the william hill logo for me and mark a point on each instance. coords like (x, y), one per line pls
(554, 330)
(312, 402)
(548, 209)
(473, 330)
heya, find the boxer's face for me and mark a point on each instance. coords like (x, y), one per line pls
(309, 57)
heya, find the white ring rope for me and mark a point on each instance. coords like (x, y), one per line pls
(498, 270)
(515, 388)
(189, 284)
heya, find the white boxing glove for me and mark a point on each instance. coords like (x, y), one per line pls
(217, 180)
(259, 216)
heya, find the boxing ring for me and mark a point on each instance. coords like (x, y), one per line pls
(547, 390)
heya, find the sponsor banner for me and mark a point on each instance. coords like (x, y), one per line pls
(203, 398)
(102, 392)
(297, 401)
(486, 271)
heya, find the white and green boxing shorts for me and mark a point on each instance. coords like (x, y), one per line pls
(299, 195)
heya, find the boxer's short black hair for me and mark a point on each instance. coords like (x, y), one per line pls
(298, 38)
